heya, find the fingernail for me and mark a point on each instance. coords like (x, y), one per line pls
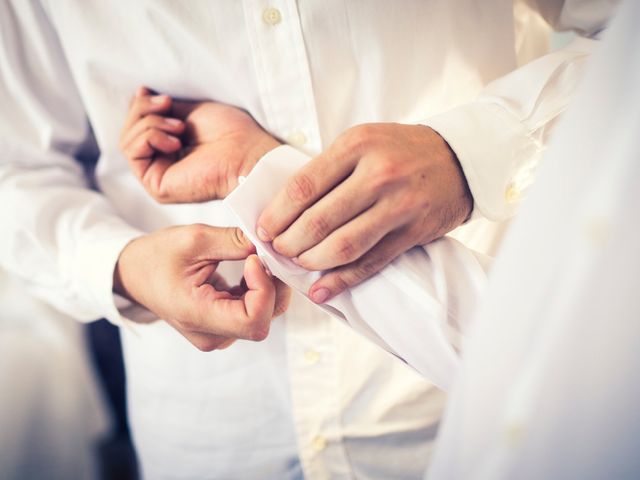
(173, 121)
(173, 139)
(263, 235)
(158, 99)
(320, 295)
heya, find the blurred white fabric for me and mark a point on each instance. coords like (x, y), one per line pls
(549, 386)
(51, 412)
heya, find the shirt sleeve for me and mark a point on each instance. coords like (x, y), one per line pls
(61, 238)
(499, 137)
(419, 307)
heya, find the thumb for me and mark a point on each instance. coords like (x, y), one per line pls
(226, 243)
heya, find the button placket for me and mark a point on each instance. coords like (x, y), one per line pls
(283, 72)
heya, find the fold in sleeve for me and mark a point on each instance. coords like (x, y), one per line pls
(59, 237)
(499, 137)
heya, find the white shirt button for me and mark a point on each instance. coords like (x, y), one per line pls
(597, 231)
(271, 16)
(514, 433)
(512, 194)
(297, 139)
(311, 357)
(319, 443)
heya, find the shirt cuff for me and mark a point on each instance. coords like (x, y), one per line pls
(490, 144)
(96, 261)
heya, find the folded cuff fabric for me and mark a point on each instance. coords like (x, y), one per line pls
(417, 308)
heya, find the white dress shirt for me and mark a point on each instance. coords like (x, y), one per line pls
(549, 385)
(313, 399)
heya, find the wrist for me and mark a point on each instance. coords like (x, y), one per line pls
(118, 287)
(119, 274)
(464, 195)
(264, 145)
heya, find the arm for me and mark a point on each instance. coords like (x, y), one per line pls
(498, 138)
(67, 243)
(60, 237)
(184, 151)
(381, 189)
(417, 308)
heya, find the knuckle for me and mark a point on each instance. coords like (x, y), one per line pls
(257, 330)
(151, 120)
(259, 335)
(341, 282)
(383, 173)
(206, 345)
(193, 236)
(345, 251)
(300, 188)
(282, 246)
(148, 136)
(156, 135)
(361, 137)
(367, 268)
(161, 197)
(317, 227)
(355, 275)
(161, 194)
(238, 239)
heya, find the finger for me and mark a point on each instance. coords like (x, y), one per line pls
(260, 299)
(173, 126)
(149, 142)
(352, 240)
(283, 297)
(303, 189)
(338, 207)
(247, 318)
(141, 151)
(222, 243)
(153, 176)
(144, 103)
(184, 184)
(340, 279)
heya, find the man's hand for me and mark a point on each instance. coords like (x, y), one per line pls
(378, 191)
(172, 272)
(187, 151)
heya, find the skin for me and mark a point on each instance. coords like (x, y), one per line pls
(214, 143)
(376, 192)
(172, 272)
(192, 152)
